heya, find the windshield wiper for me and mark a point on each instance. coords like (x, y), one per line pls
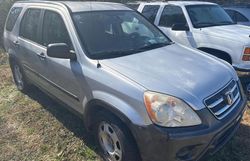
(153, 46)
(204, 24)
(111, 54)
(115, 53)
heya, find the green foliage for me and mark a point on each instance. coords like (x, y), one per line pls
(4, 10)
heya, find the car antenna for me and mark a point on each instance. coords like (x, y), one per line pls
(98, 64)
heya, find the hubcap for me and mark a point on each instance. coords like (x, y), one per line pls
(109, 142)
(18, 77)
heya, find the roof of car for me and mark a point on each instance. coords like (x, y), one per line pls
(180, 3)
(186, 3)
(78, 6)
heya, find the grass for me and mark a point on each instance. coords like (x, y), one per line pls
(34, 127)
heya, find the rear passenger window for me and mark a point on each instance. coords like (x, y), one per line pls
(172, 15)
(54, 29)
(30, 24)
(150, 12)
(13, 15)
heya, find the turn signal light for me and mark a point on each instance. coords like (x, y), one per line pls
(246, 56)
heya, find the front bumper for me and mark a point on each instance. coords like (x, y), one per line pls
(242, 67)
(186, 144)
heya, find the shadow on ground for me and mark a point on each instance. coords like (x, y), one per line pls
(69, 120)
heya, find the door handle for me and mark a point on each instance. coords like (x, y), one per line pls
(42, 56)
(16, 43)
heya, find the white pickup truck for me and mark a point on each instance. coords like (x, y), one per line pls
(202, 25)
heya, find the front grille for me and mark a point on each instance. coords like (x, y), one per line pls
(224, 101)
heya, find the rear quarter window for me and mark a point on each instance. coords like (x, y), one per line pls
(12, 18)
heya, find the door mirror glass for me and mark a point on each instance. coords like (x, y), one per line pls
(60, 50)
(180, 27)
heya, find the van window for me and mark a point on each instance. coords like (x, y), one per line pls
(13, 15)
(150, 12)
(172, 15)
(54, 29)
(30, 24)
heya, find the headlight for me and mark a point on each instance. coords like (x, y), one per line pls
(168, 111)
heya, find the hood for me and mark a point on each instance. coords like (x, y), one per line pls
(175, 70)
(232, 32)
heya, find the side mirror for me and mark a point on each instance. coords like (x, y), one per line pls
(60, 50)
(180, 27)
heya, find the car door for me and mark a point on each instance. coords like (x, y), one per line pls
(31, 52)
(61, 74)
(174, 15)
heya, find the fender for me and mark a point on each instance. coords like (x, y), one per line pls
(118, 107)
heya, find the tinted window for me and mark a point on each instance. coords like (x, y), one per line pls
(231, 14)
(54, 29)
(30, 24)
(13, 15)
(150, 12)
(172, 15)
(208, 15)
(240, 17)
(133, 6)
(106, 34)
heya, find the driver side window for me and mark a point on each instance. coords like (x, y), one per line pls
(172, 15)
(54, 30)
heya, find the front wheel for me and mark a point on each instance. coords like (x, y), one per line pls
(114, 140)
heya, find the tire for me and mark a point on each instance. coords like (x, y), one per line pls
(115, 143)
(19, 77)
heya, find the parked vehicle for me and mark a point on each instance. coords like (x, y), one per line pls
(142, 96)
(204, 26)
(239, 13)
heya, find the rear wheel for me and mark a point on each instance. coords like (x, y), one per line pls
(19, 77)
(114, 139)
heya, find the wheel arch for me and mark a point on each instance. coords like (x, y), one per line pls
(217, 53)
(95, 106)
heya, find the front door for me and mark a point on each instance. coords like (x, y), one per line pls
(174, 15)
(61, 74)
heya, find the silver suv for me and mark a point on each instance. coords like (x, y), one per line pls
(142, 96)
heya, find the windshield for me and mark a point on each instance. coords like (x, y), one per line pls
(208, 15)
(109, 34)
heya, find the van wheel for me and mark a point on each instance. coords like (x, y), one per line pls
(114, 140)
(19, 77)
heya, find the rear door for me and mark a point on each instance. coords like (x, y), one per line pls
(10, 35)
(29, 47)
